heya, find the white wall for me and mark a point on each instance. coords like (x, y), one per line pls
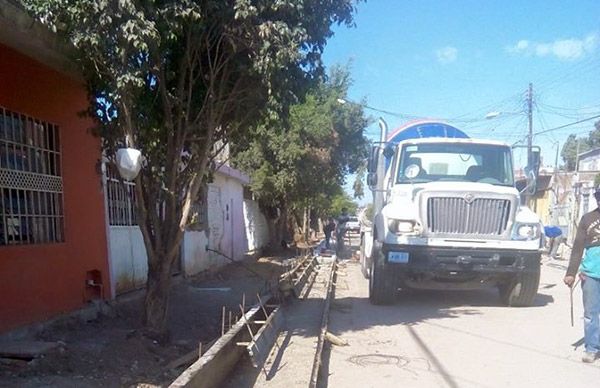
(195, 257)
(129, 266)
(591, 163)
(226, 231)
(257, 229)
(235, 227)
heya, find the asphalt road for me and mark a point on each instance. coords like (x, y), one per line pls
(458, 339)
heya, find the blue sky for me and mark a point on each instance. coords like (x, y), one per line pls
(459, 60)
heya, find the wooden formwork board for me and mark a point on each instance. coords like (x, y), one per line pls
(265, 338)
(214, 366)
(300, 282)
(295, 279)
(288, 275)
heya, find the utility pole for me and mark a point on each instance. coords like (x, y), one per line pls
(529, 136)
(530, 119)
(556, 159)
(577, 156)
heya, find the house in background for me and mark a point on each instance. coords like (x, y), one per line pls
(53, 252)
(542, 201)
(589, 161)
(588, 167)
(554, 199)
(228, 226)
(563, 197)
(234, 225)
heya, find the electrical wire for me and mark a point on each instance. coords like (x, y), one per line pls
(567, 125)
(562, 76)
(593, 106)
(487, 108)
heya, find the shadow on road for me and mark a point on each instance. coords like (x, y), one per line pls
(417, 306)
(410, 307)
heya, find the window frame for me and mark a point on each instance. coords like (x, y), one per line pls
(31, 183)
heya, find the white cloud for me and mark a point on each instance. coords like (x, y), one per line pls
(563, 49)
(446, 54)
(520, 47)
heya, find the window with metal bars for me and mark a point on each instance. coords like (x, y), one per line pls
(121, 199)
(122, 202)
(31, 186)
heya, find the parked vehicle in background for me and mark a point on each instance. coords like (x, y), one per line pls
(353, 225)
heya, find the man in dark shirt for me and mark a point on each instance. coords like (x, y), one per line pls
(341, 229)
(585, 258)
(329, 228)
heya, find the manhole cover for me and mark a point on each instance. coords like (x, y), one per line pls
(378, 359)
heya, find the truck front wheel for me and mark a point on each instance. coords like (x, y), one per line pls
(521, 291)
(382, 286)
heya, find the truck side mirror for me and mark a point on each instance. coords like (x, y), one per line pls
(373, 160)
(532, 172)
(388, 152)
(535, 161)
(372, 179)
(531, 179)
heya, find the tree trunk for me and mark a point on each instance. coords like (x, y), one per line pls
(275, 235)
(305, 223)
(283, 225)
(274, 239)
(156, 302)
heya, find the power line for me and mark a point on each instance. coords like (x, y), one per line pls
(407, 116)
(560, 127)
(567, 125)
(563, 76)
(559, 108)
(484, 108)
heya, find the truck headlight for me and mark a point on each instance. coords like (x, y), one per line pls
(401, 226)
(526, 232)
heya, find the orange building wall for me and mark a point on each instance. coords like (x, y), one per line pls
(41, 281)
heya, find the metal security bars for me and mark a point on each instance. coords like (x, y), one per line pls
(121, 199)
(31, 187)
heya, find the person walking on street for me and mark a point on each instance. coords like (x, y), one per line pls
(341, 229)
(328, 229)
(585, 258)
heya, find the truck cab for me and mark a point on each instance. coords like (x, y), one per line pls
(448, 216)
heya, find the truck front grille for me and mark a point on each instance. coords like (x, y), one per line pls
(460, 216)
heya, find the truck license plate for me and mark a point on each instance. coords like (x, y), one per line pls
(398, 257)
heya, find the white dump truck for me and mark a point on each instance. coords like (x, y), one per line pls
(447, 216)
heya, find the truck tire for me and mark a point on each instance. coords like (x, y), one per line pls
(521, 291)
(382, 286)
(364, 267)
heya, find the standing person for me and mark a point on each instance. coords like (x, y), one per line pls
(341, 228)
(585, 258)
(329, 228)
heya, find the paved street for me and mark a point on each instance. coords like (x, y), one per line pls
(459, 339)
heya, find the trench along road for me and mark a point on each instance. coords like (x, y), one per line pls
(457, 339)
(430, 339)
(293, 357)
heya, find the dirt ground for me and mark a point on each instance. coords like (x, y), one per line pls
(110, 351)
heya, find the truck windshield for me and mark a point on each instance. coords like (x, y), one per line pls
(485, 163)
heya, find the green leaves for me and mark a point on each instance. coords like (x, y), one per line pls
(174, 77)
(575, 145)
(303, 156)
